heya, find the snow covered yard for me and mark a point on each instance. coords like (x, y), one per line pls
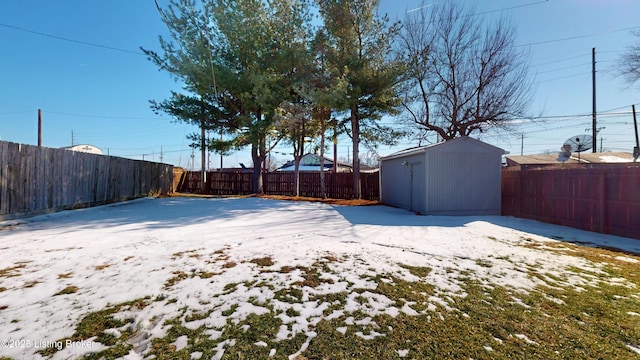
(254, 278)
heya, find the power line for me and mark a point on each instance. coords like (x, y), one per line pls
(513, 7)
(562, 68)
(71, 40)
(561, 60)
(561, 77)
(579, 36)
(106, 116)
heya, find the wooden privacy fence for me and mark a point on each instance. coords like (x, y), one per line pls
(605, 199)
(337, 185)
(38, 179)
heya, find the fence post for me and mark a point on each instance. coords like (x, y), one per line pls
(601, 210)
(520, 192)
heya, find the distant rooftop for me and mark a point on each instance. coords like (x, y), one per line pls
(576, 158)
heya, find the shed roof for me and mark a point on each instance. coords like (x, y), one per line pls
(453, 142)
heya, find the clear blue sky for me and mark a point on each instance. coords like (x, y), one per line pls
(101, 95)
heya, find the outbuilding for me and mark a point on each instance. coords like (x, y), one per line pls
(456, 177)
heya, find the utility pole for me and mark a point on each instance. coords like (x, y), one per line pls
(522, 145)
(39, 128)
(594, 133)
(73, 138)
(161, 155)
(601, 139)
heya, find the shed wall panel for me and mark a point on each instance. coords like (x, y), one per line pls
(395, 180)
(461, 177)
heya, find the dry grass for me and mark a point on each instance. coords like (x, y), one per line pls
(355, 202)
(229, 265)
(68, 290)
(12, 271)
(265, 261)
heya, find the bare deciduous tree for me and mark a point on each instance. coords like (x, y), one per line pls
(462, 75)
(629, 63)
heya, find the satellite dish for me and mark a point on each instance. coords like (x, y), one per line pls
(578, 143)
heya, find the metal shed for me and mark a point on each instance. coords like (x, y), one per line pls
(457, 177)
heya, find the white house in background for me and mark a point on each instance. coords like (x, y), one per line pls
(457, 177)
(85, 148)
(311, 162)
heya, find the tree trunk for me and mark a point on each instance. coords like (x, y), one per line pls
(203, 158)
(323, 192)
(355, 129)
(296, 176)
(257, 170)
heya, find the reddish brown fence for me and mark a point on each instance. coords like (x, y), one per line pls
(35, 180)
(604, 199)
(337, 185)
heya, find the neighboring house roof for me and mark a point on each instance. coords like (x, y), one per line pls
(453, 142)
(311, 162)
(85, 148)
(583, 157)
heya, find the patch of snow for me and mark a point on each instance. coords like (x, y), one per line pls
(113, 332)
(304, 346)
(627, 259)
(520, 302)
(633, 348)
(526, 339)
(118, 253)
(407, 309)
(220, 348)
(372, 335)
(181, 342)
(402, 353)
(613, 159)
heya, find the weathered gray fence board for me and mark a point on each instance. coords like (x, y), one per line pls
(37, 179)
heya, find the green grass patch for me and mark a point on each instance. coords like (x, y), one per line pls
(313, 275)
(419, 271)
(178, 276)
(484, 263)
(93, 325)
(68, 290)
(488, 322)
